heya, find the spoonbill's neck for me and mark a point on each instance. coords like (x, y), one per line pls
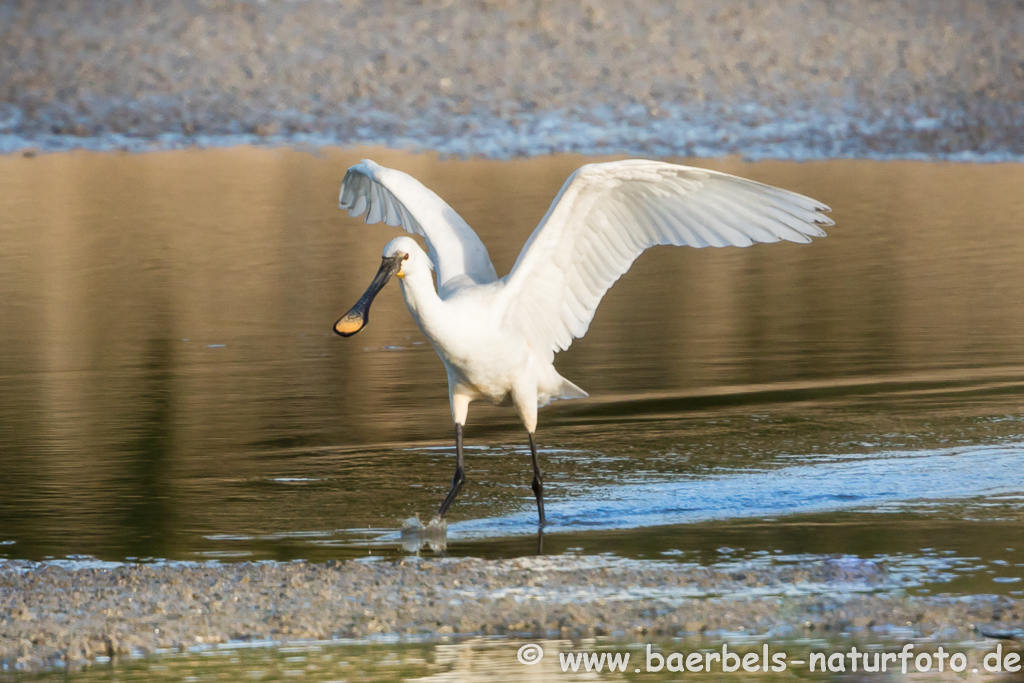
(421, 298)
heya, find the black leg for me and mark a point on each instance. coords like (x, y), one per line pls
(460, 475)
(538, 483)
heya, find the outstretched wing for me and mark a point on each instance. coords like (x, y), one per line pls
(607, 214)
(398, 199)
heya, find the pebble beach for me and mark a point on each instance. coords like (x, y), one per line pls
(67, 614)
(898, 79)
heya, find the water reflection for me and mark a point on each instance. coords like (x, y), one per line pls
(170, 378)
(415, 535)
(482, 660)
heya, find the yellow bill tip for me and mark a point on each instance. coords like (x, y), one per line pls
(349, 325)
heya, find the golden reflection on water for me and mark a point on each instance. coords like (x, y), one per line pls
(165, 319)
(493, 660)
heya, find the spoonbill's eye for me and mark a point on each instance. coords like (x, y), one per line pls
(405, 258)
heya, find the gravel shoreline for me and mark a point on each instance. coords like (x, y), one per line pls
(497, 78)
(68, 613)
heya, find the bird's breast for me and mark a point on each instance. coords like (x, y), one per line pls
(478, 354)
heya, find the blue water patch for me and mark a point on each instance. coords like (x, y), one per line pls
(842, 484)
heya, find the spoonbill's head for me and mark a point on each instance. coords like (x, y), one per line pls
(401, 256)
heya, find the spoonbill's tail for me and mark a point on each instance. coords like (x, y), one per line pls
(570, 390)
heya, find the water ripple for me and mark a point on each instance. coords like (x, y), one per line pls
(847, 483)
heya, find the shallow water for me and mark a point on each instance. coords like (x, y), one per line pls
(482, 660)
(172, 388)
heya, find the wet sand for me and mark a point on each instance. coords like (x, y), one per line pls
(65, 614)
(498, 78)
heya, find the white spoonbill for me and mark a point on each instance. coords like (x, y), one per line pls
(498, 336)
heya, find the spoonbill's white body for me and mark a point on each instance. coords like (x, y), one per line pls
(498, 337)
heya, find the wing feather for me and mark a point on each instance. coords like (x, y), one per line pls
(607, 214)
(398, 199)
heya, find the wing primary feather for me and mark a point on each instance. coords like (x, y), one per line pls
(348, 191)
(725, 222)
(792, 222)
(373, 215)
(358, 204)
(755, 224)
(390, 215)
